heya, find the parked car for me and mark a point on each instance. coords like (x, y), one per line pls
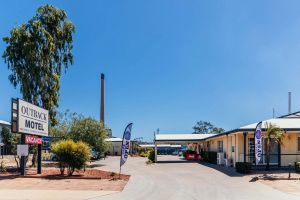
(94, 155)
(53, 157)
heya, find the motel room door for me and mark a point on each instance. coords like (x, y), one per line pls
(273, 153)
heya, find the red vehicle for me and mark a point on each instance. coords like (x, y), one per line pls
(193, 157)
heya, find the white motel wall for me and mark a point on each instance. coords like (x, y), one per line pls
(238, 145)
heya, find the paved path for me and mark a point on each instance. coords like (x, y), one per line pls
(181, 180)
(36, 194)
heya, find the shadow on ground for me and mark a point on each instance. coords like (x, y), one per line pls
(229, 171)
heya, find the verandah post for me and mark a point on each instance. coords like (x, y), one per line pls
(245, 134)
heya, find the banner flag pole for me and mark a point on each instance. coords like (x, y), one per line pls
(125, 146)
(258, 143)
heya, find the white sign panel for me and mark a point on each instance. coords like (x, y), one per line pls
(22, 150)
(32, 119)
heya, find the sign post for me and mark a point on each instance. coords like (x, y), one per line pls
(32, 120)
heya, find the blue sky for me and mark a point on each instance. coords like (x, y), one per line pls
(169, 64)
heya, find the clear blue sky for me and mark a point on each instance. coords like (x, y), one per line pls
(171, 63)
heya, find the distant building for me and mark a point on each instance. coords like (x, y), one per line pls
(163, 149)
(116, 144)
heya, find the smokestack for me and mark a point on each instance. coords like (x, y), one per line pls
(102, 100)
(290, 103)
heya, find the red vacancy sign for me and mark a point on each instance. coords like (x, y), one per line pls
(33, 140)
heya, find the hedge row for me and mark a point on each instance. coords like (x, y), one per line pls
(209, 156)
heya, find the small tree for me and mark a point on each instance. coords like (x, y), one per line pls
(7, 139)
(91, 132)
(151, 155)
(203, 127)
(71, 155)
(273, 133)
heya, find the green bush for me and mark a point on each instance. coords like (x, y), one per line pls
(151, 156)
(71, 155)
(243, 167)
(209, 156)
(297, 166)
(3, 167)
(144, 154)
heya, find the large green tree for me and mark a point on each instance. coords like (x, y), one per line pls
(37, 52)
(204, 127)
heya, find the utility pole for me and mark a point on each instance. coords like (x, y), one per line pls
(102, 99)
(290, 103)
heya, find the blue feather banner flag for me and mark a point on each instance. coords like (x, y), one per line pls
(125, 144)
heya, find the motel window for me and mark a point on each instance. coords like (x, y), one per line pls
(220, 146)
(298, 143)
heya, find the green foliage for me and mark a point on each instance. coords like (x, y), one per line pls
(46, 156)
(7, 139)
(90, 131)
(3, 167)
(209, 156)
(243, 167)
(151, 156)
(79, 128)
(273, 133)
(297, 166)
(65, 121)
(42, 48)
(144, 154)
(10, 141)
(203, 127)
(71, 155)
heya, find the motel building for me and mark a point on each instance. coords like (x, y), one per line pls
(238, 145)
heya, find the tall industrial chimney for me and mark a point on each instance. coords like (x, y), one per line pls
(102, 100)
(290, 103)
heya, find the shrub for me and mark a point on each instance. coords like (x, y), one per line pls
(2, 166)
(144, 154)
(243, 167)
(297, 166)
(151, 156)
(46, 156)
(209, 156)
(71, 155)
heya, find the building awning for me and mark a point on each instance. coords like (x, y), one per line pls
(113, 139)
(2, 122)
(287, 124)
(180, 138)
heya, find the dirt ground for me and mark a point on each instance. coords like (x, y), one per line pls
(265, 177)
(62, 184)
(50, 179)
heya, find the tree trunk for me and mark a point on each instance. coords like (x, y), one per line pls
(268, 155)
(34, 159)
